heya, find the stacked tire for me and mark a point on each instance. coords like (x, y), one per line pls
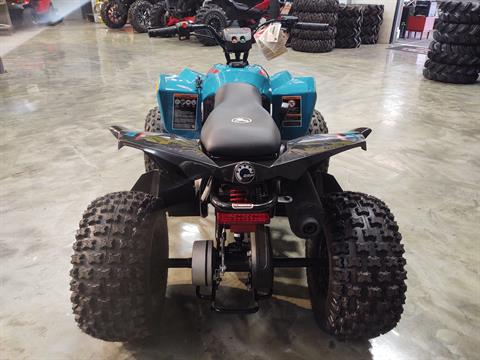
(454, 54)
(315, 11)
(371, 23)
(349, 27)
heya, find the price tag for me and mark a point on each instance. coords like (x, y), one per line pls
(271, 41)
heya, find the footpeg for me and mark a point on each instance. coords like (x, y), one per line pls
(227, 310)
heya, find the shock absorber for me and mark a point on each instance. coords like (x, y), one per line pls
(238, 195)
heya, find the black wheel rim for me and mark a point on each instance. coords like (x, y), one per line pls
(215, 23)
(114, 14)
(145, 18)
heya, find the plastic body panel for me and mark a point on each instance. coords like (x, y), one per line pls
(168, 86)
(274, 89)
(284, 84)
(187, 157)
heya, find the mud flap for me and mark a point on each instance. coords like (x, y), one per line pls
(177, 193)
(326, 183)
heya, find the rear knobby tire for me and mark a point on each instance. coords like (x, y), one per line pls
(358, 287)
(119, 274)
(153, 123)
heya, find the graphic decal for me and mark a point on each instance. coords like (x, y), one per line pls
(184, 111)
(293, 117)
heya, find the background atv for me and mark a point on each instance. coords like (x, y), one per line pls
(116, 13)
(220, 14)
(33, 11)
(144, 14)
(233, 140)
(169, 12)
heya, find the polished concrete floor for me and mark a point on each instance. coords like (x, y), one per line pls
(67, 84)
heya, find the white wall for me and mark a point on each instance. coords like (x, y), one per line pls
(388, 15)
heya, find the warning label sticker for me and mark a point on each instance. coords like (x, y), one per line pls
(293, 117)
(184, 111)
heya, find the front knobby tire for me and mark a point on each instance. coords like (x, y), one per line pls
(318, 125)
(153, 123)
(357, 289)
(119, 274)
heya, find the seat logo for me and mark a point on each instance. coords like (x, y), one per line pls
(241, 120)
(244, 172)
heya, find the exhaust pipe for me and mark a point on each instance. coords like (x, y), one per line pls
(309, 227)
(305, 212)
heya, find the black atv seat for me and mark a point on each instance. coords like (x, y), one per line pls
(238, 126)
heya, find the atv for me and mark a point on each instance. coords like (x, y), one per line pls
(217, 13)
(220, 14)
(170, 12)
(145, 14)
(237, 141)
(37, 11)
(116, 13)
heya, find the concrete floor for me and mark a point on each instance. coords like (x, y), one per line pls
(67, 84)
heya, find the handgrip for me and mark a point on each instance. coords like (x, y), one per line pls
(311, 26)
(163, 32)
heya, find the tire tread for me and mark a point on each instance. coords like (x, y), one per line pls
(367, 279)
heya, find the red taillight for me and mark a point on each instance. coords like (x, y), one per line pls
(242, 222)
(242, 218)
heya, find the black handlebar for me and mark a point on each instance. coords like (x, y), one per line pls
(163, 32)
(185, 28)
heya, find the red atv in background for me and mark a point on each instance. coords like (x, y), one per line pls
(145, 14)
(26, 12)
(220, 14)
(140, 13)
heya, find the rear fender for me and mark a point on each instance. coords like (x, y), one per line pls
(187, 162)
(181, 153)
(308, 151)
